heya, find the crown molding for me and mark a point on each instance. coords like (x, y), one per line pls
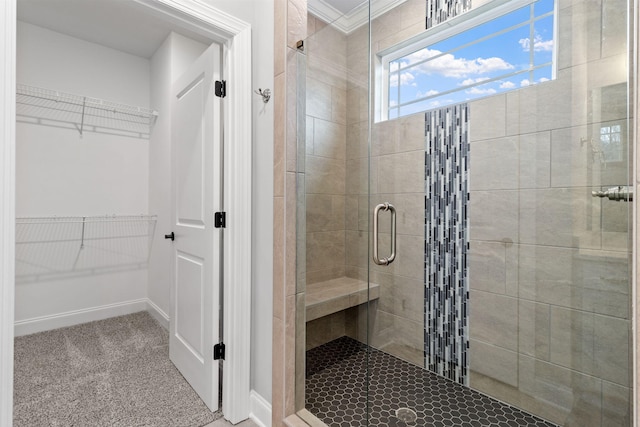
(354, 19)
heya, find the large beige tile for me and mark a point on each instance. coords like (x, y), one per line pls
(325, 250)
(493, 319)
(494, 362)
(493, 215)
(579, 33)
(615, 17)
(410, 213)
(568, 278)
(357, 248)
(535, 160)
(329, 139)
(399, 331)
(558, 217)
(318, 99)
(339, 105)
(357, 142)
(290, 353)
(279, 36)
(291, 233)
(611, 349)
(325, 274)
(401, 173)
(325, 175)
(384, 138)
(351, 214)
(411, 132)
(409, 259)
(401, 296)
(295, 113)
(358, 177)
(554, 104)
(572, 339)
(300, 369)
(534, 329)
(578, 395)
(616, 405)
(496, 164)
(579, 161)
(487, 267)
(279, 142)
(488, 118)
(278, 257)
(325, 212)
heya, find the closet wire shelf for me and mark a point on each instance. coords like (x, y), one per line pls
(85, 114)
(52, 247)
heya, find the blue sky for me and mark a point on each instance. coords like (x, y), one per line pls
(505, 57)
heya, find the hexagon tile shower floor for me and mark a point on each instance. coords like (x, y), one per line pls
(336, 392)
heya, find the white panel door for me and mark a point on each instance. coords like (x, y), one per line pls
(196, 142)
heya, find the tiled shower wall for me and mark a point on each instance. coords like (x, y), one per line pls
(325, 147)
(549, 266)
(572, 284)
(549, 263)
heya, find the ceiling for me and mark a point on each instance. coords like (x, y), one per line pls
(119, 24)
(343, 6)
(348, 15)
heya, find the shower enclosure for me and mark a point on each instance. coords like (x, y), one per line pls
(464, 190)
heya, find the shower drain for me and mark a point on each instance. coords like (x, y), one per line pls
(406, 415)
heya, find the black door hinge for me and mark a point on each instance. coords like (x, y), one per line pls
(221, 88)
(220, 220)
(218, 351)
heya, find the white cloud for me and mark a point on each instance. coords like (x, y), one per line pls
(449, 66)
(539, 45)
(478, 91)
(427, 93)
(472, 81)
(543, 79)
(525, 82)
(507, 85)
(393, 104)
(406, 78)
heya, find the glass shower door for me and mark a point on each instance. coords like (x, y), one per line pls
(500, 180)
(464, 228)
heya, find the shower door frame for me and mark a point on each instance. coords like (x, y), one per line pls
(235, 35)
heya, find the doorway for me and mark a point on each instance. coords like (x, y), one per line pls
(236, 31)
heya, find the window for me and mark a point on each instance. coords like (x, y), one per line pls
(496, 49)
(611, 143)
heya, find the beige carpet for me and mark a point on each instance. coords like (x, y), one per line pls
(113, 372)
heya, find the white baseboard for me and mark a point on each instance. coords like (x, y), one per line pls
(259, 410)
(70, 318)
(157, 313)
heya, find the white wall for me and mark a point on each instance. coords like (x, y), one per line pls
(59, 172)
(260, 14)
(168, 62)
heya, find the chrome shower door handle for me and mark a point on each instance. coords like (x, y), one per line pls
(384, 207)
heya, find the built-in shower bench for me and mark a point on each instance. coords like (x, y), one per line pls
(332, 296)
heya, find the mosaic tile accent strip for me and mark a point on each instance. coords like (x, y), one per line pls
(447, 242)
(439, 11)
(336, 392)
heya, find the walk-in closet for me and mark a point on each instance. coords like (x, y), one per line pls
(93, 205)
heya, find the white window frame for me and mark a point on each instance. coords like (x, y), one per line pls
(459, 24)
